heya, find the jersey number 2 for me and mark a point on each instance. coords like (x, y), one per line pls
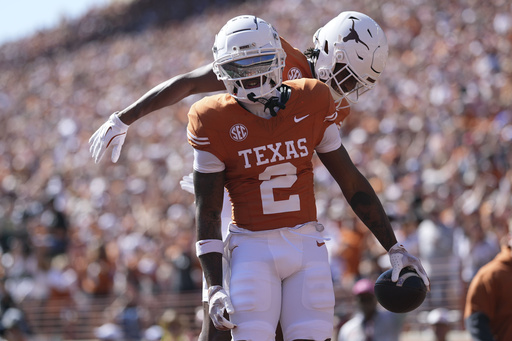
(278, 176)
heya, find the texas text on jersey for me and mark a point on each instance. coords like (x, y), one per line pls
(269, 172)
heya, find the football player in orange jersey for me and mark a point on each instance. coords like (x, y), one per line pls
(349, 55)
(258, 141)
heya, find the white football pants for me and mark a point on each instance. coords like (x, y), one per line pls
(281, 274)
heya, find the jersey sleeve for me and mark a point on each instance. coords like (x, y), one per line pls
(203, 127)
(206, 162)
(331, 140)
(330, 107)
(197, 134)
(343, 112)
(318, 99)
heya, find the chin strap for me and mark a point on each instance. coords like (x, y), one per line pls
(274, 103)
(312, 59)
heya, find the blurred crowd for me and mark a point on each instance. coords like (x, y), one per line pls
(432, 137)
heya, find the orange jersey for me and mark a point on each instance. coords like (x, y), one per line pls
(297, 66)
(268, 163)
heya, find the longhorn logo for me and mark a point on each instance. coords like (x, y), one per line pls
(353, 35)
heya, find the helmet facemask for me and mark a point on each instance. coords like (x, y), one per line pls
(254, 75)
(344, 83)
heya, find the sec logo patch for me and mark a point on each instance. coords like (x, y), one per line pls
(294, 73)
(238, 132)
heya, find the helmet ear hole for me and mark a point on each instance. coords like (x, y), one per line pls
(323, 74)
(326, 47)
(340, 56)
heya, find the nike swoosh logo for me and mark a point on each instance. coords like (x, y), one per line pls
(297, 119)
(320, 244)
(113, 137)
(202, 243)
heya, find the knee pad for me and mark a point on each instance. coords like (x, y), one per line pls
(254, 331)
(316, 330)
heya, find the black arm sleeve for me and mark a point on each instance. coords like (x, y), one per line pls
(477, 324)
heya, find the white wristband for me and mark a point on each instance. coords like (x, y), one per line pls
(209, 245)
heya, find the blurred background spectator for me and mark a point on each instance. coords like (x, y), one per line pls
(370, 321)
(175, 327)
(13, 320)
(440, 323)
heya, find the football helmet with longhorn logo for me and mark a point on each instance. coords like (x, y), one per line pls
(248, 58)
(351, 52)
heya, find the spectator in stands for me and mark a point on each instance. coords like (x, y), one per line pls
(175, 326)
(131, 316)
(350, 249)
(475, 247)
(108, 332)
(98, 276)
(183, 262)
(13, 321)
(487, 312)
(369, 322)
(436, 247)
(57, 225)
(153, 333)
(440, 323)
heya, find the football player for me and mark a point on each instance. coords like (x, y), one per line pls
(349, 55)
(257, 141)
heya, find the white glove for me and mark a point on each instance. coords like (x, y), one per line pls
(111, 133)
(400, 259)
(187, 183)
(218, 301)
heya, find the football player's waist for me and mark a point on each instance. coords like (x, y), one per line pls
(273, 222)
(309, 228)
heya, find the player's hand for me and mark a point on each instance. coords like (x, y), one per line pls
(111, 133)
(219, 301)
(400, 259)
(187, 183)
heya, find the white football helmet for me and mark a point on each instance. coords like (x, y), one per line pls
(248, 58)
(352, 52)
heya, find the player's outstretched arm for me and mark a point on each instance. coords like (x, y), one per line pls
(365, 203)
(113, 131)
(200, 80)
